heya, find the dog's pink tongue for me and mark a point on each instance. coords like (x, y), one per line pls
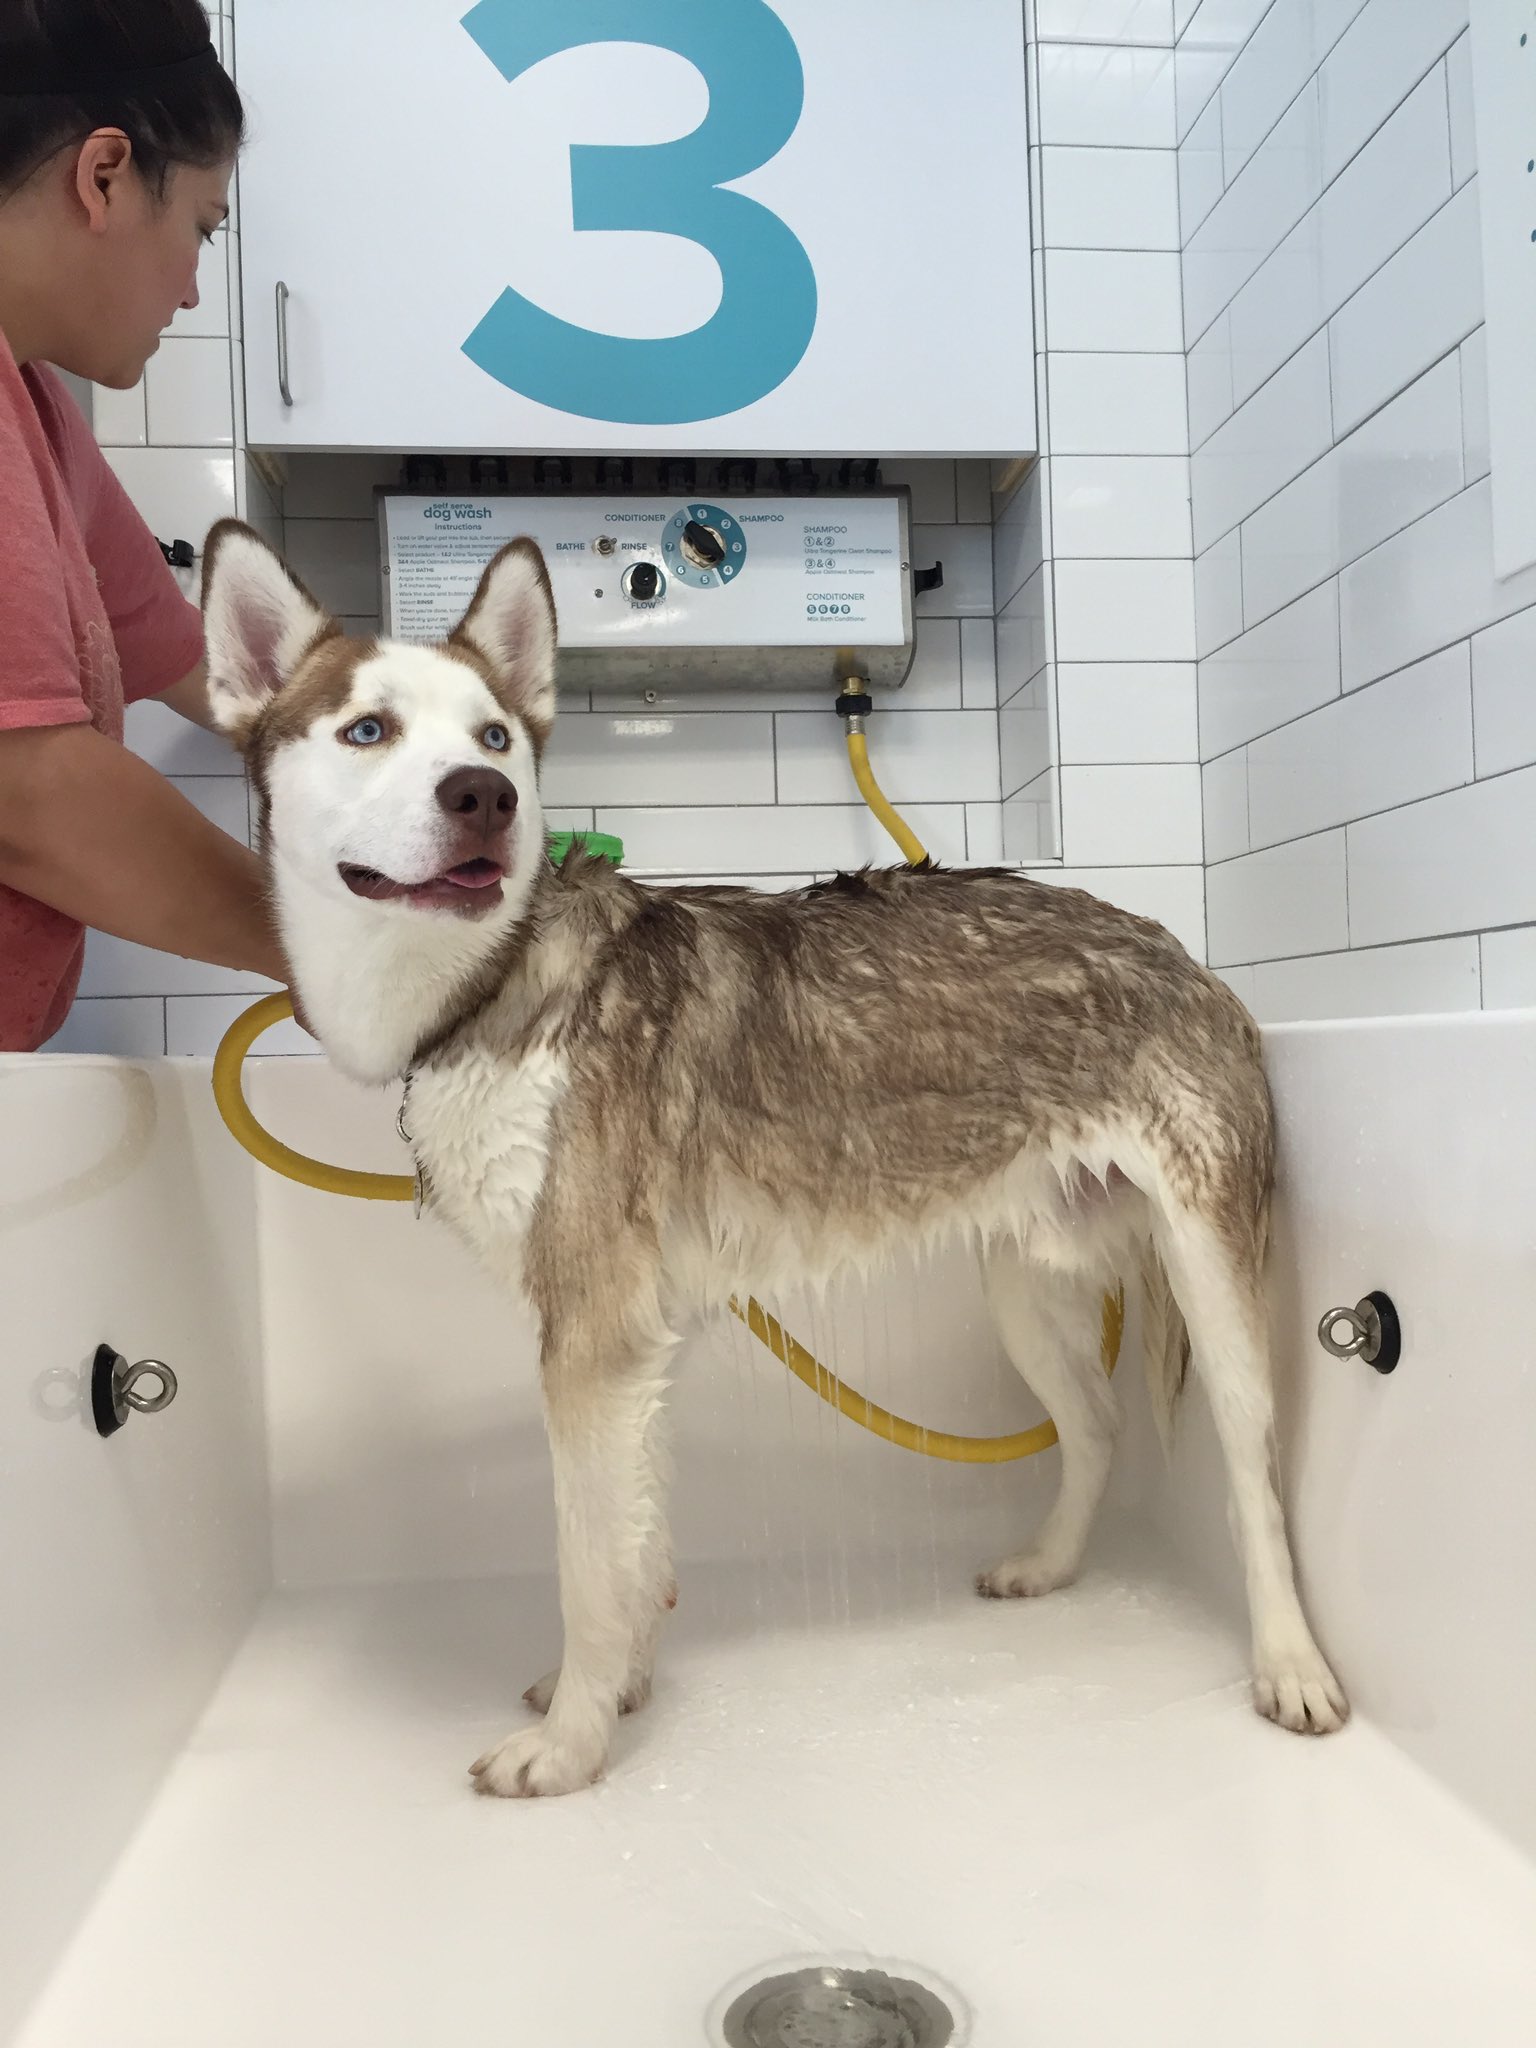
(474, 874)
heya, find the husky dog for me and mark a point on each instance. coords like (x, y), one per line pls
(632, 1102)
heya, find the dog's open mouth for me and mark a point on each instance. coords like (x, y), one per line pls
(470, 888)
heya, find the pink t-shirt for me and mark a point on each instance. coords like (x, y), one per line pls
(90, 619)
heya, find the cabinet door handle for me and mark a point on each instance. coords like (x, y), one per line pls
(284, 391)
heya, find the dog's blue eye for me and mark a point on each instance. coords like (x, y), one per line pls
(497, 738)
(366, 733)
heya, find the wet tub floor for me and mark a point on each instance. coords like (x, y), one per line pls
(1064, 1811)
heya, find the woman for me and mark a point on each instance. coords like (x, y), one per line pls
(118, 136)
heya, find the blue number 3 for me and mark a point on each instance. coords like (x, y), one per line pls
(767, 310)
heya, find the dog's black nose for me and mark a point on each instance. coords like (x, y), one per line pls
(480, 798)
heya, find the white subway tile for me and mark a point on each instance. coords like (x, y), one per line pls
(335, 486)
(663, 759)
(1131, 816)
(1509, 969)
(978, 664)
(1118, 405)
(1018, 540)
(1265, 78)
(1121, 98)
(211, 313)
(1416, 307)
(1404, 461)
(1330, 18)
(1373, 67)
(178, 492)
(984, 835)
(1279, 308)
(1210, 380)
(1260, 205)
(1105, 21)
(1292, 542)
(1031, 829)
(1457, 863)
(1458, 92)
(117, 417)
(973, 493)
(1125, 611)
(1275, 672)
(113, 967)
(966, 552)
(1200, 175)
(1400, 178)
(123, 1027)
(194, 1026)
(1240, 981)
(1474, 405)
(1424, 588)
(1126, 505)
(934, 682)
(174, 745)
(1113, 300)
(1024, 634)
(1224, 803)
(1378, 981)
(1504, 694)
(772, 839)
(1282, 428)
(1404, 738)
(1288, 900)
(919, 757)
(932, 485)
(1110, 199)
(1219, 594)
(1196, 75)
(338, 559)
(1126, 711)
(1171, 897)
(190, 396)
(1024, 735)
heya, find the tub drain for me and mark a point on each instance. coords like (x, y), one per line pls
(829, 2007)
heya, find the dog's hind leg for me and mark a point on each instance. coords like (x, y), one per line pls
(603, 1387)
(1214, 1270)
(1049, 1322)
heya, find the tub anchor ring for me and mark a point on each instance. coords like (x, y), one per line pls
(1375, 1334)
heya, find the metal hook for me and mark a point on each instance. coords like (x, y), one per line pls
(1375, 1335)
(114, 1389)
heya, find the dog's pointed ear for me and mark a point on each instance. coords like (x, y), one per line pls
(510, 624)
(258, 622)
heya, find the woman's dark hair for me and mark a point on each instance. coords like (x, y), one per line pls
(68, 67)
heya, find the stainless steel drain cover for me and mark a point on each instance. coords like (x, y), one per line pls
(826, 2006)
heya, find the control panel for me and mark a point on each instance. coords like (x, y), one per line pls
(764, 591)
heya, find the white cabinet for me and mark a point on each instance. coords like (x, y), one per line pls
(637, 225)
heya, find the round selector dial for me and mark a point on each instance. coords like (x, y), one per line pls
(705, 548)
(643, 582)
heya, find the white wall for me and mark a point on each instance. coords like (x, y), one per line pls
(1366, 708)
(1096, 611)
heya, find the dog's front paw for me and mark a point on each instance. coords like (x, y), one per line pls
(1301, 1693)
(534, 1765)
(1025, 1578)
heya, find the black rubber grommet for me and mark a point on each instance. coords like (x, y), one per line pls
(1391, 1347)
(103, 1391)
(854, 704)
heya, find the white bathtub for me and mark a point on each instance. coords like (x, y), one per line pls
(251, 1644)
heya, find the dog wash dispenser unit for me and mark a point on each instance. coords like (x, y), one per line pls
(668, 593)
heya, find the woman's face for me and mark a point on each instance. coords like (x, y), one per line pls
(142, 264)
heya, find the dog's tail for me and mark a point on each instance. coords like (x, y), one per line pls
(1165, 1343)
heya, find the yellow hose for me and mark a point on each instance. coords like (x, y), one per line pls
(228, 1093)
